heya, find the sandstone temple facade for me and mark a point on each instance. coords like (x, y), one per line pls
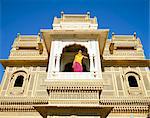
(38, 81)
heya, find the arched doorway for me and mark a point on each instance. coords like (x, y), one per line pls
(67, 57)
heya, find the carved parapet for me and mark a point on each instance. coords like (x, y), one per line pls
(20, 104)
(77, 21)
(27, 55)
(26, 44)
(124, 47)
(127, 101)
(23, 100)
(75, 84)
(126, 104)
(130, 109)
(28, 47)
(75, 76)
(74, 91)
(120, 104)
(17, 108)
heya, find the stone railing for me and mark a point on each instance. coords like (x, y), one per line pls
(131, 109)
(124, 53)
(75, 75)
(23, 100)
(26, 44)
(31, 54)
(74, 84)
(125, 101)
(103, 100)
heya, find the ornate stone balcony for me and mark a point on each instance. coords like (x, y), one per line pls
(74, 91)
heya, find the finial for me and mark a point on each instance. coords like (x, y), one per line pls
(113, 35)
(18, 34)
(88, 13)
(62, 13)
(134, 34)
(39, 34)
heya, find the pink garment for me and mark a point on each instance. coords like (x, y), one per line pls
(77, 67)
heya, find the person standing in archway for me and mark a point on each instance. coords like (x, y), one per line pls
(77, 63)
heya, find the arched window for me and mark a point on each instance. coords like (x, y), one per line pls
(132, 81)
(19, 81)
(67, 57)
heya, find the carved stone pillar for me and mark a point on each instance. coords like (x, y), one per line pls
(57, 66)
(91, 63)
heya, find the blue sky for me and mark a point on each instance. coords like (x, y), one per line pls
(29, 16)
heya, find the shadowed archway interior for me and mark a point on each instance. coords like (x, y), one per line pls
(19, 81)
(67, 57)
(132, 81)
